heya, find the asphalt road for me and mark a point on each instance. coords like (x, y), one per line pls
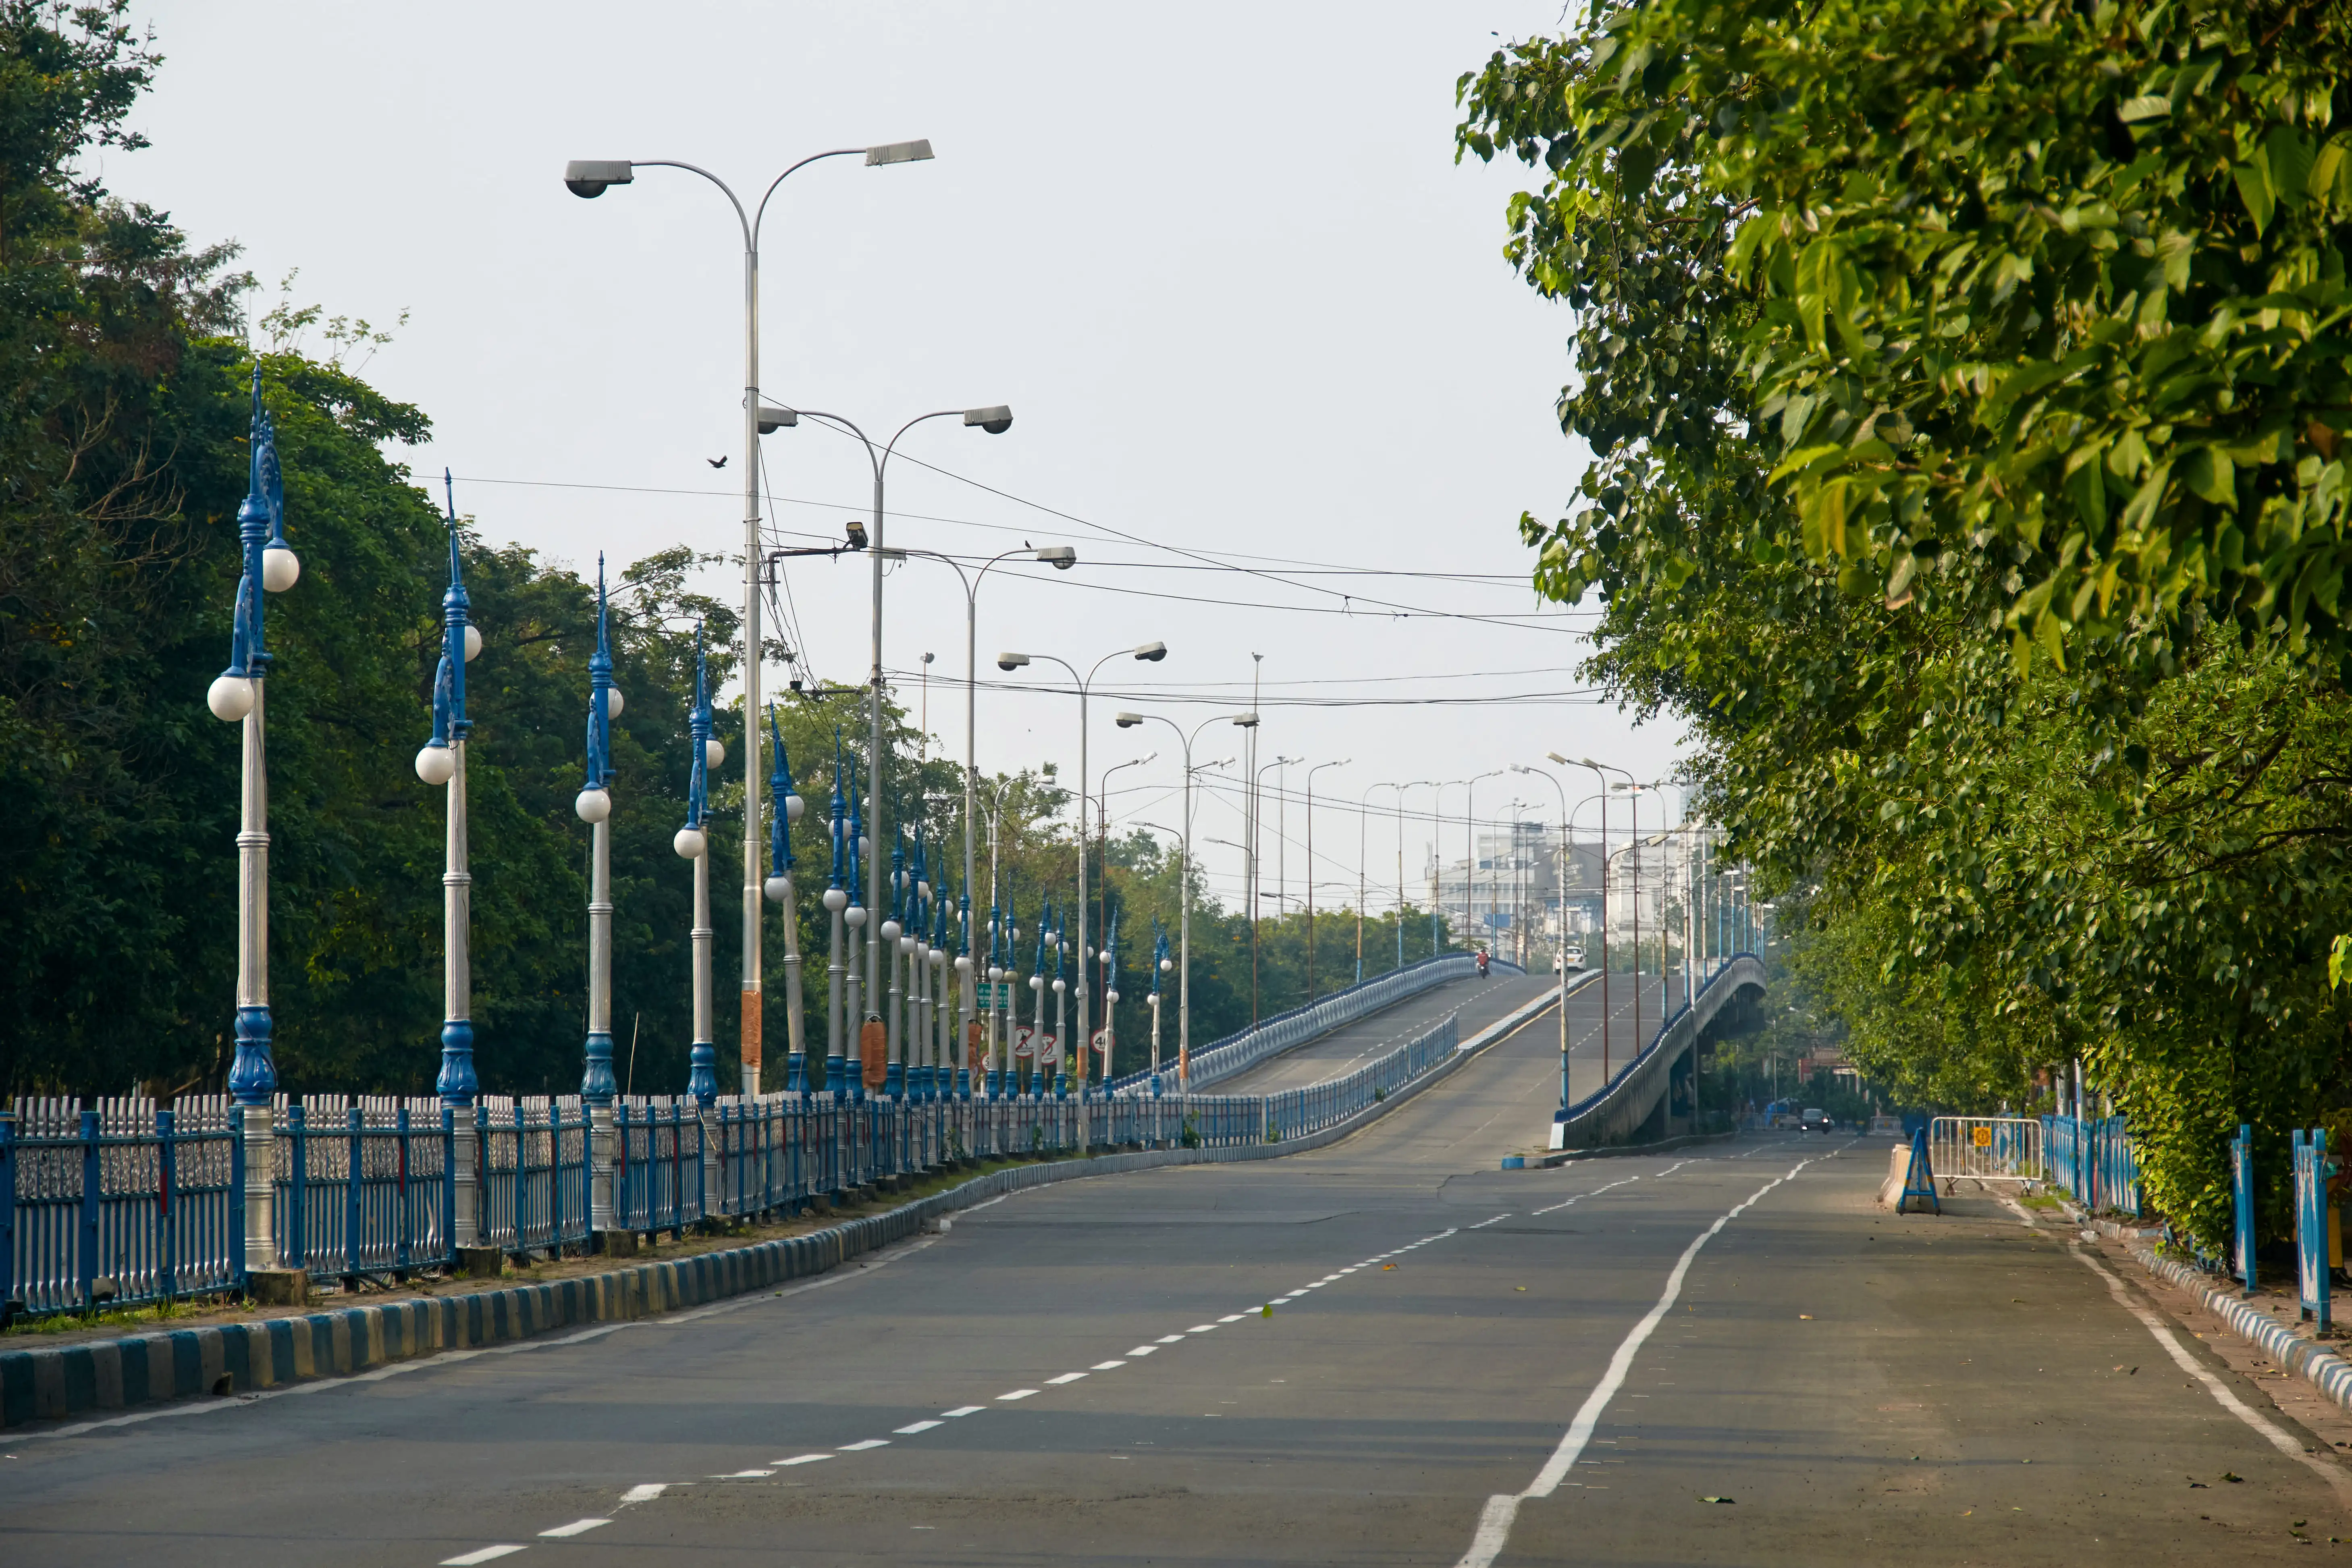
(1086, 1373)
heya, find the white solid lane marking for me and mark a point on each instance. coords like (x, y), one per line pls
(801, 1460)
(963, 1410)
(1066, 1377)
(645, 1493)
(1107, 1365)
(483, 1555)
(1145, 1350)
(2277, 1436)
(1016, 1394)
(859, 1448)
(918, 1427)
(1171, 1339)
(577, 1527)
(1493, 1531)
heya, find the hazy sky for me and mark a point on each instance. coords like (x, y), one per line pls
(1218, 258)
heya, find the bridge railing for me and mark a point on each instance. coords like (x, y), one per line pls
(126, 1202)
(1271, 1035)
(1712, 985)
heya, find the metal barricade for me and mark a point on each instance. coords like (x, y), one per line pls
(1987, 1148)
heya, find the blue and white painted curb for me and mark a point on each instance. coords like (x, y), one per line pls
(51, 1383)
(2330, 1372)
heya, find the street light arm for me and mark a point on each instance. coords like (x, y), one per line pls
(751, 239)
(761, 216)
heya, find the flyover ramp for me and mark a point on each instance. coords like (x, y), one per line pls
(1477, 1003)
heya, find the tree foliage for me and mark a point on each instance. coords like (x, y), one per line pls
(1964, 385)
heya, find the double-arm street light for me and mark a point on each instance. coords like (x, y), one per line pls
(1470, 844)
(1318, 768)
(1061, 557)
(995, 419)
(590, 178)
(1562, 791)
(1150, 653)
(1603, 770)
(1184, 879)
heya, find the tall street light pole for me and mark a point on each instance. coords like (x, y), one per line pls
(442, 761)
(235, 698)
(995, 420)
(1561, 790)
(1256, 794)
(1603, 770)
(594, 806)
(1470, 844)
(1150, 653)
(590, 178)
(1061, 557)
(1126, 721)
(1319, 767)
(1363, 869)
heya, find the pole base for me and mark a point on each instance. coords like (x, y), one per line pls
(278, 1286)
(480, 1262)
(617, 1242)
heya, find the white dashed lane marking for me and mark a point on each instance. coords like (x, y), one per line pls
(648, 1491)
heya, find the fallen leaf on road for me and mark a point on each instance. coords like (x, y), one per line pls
(1518, 1286)
(1388, 1266)
(1805, 1317)
(1266, 1311)
(2232, 1476)
(1719, 1500)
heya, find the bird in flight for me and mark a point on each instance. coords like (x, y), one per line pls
(715, 462)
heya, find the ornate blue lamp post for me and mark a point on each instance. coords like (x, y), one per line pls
(1110, 1003)
(837, 898)
(893, 932)
(236, 695)
(594, 806)
(1037, 989)
(853, 998)
(781, 861)
(1061, 1016)
(1161, 964)
(968, 1024)
(692, 842)
(442, 761)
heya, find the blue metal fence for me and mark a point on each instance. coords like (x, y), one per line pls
(2092, 1160)
(127, 1202)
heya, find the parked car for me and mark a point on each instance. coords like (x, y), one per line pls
(1568, 957)
(1815, 1119)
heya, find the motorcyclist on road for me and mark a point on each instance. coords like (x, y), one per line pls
(1482, 963)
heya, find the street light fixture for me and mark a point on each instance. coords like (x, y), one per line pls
(590, 178)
